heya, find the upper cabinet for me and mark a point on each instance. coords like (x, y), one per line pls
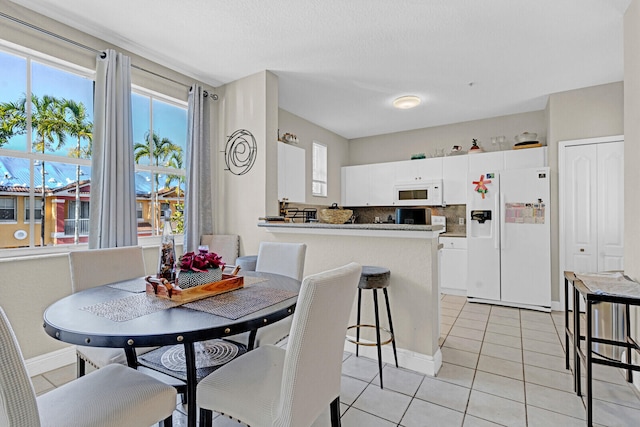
(410, 171)
(492, 161)
(525, 158)
(368, 185)
(291, 173)
(373, 184)
(454, 180)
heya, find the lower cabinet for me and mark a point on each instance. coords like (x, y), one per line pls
(453, 265)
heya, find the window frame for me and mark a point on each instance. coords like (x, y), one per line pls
(15, 209)
(30, 55)
(28, 210)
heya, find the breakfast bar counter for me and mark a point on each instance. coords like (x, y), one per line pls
(410, 252)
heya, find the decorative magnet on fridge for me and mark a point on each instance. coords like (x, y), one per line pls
(480, 185)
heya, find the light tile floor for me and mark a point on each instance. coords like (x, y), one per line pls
(501, 367)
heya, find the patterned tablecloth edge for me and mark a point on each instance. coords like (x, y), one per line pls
(614, 283)
(231, 305)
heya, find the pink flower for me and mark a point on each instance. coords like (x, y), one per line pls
(200, 262)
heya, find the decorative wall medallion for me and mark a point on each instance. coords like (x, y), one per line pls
(240, 152)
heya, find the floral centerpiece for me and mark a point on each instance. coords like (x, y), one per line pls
(200, 268)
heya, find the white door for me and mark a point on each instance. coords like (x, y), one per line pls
(580, 208)
(610, 206)
(594, 207)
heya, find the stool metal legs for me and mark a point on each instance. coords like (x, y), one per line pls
(393, 342)
(379, 342)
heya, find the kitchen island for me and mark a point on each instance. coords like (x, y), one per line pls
(410, 252)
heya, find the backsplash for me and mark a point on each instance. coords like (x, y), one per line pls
(388, 213)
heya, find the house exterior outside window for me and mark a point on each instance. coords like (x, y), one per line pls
(7, 209)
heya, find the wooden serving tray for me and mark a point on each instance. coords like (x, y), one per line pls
(228, 283)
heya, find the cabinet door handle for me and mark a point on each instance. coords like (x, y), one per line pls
(581, 249)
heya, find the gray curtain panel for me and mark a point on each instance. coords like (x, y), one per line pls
(198, 209)
(112, 220)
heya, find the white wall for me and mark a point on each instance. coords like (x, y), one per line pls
(337, 152)
(401, 145)
(582, 113)
(250, 103)
(632, 152)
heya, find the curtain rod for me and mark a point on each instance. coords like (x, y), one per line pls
(80, 45)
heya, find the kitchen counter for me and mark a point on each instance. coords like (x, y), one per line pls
(386, 230)
(445, 234)
(410, 252)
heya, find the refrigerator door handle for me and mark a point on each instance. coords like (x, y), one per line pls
(495, 224)
(502, 219)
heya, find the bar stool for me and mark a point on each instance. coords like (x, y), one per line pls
(375, 278)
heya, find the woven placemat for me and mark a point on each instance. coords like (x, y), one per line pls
(127, 308)
(239, 303)
(136, 285)
(210, 355)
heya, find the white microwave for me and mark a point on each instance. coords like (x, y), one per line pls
(427, 193)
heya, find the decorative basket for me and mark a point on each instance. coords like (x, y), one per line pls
(189, 279)
(335, 216)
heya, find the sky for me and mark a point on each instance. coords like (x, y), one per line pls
(169, 121)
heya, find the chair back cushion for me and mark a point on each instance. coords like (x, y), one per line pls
(97, 267)
(17, 398)
(286, 259)
(313, 362)
(225, 245)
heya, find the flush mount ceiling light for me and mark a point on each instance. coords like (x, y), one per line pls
(406, 102)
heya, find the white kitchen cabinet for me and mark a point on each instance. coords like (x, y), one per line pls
(357, 185)
(368, 185)
(525, 158)
(492, 161)
(291, 173)
(409, 171)
(453, 265)
(454, 180)
(382, 179)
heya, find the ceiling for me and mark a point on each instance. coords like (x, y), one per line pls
(341, 63)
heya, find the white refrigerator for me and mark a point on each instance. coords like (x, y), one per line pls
(509, 238)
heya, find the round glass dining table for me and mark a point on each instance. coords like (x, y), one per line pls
(72, 320)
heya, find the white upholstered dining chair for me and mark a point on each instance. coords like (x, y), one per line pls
(286, 259)
(225, 245)
(97, 267)
(291, 387)
(113, 396)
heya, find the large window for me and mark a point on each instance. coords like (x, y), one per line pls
(160, 143)
(46, 134)
(319, 186)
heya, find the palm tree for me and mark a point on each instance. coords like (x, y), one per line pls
(48, 125)
(78, 126)
(13, 120)
(161, 152)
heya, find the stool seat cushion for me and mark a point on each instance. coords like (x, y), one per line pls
(374, 277)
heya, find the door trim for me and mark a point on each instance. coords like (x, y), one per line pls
(562, 145)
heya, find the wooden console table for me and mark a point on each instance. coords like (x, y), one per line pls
(629, 295)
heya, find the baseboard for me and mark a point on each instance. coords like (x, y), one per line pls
(557, 306)
(453, 291)
(425, 364)
(50, 361)
(509, 304)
